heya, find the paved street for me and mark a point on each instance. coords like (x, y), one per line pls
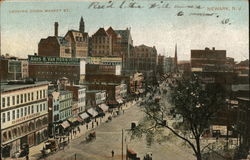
(109, 138)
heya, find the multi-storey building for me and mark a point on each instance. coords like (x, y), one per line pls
(212, 66)
(120, 92)
(60, 109)
(126, 48)
(78, 42)
(240, 86)
(24, 114)
(105, 60)
(116, 44)
(136, 83)
(53, 106)
(79, 96)
(243, 126)
(95, 98)
(65, 106)
(13, 68)
(73, 44)
(101, 43)
(54, 68)
(143, 59)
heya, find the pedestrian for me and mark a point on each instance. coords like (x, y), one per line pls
(112, 152)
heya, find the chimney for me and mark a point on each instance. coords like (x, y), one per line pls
(56, 29)
(213, 48)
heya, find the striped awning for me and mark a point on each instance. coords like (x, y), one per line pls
(72, 119)
(104, 107)
(92, 112)
(65, 124)
(84, 115)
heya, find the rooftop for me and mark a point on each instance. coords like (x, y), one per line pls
(5, 87)
(94, 91)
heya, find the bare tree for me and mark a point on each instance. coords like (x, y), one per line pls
(196, 104)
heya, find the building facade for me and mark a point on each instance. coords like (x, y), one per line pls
(74, 44)
(212, 66)
(24, 112)
(243, 126)
(54, 68)
(13, 68)
(101, 44)
(95, 98)
(79, 96)
(142, 59)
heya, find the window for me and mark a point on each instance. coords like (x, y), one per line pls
(66, 50)
(13, 100)
(21, 112)
(25, 111)
(17, 113)
(37, 94)
(21, 98)
(28, 110)
(8, 101)
(8, 116)
(44, 93)
(37, 108)
(28, 96)
(13, 115)
(44, 106)
(17, 99)
(32, 109)
(25, 97)
(4, 118)
(3, 102)
(32, 96)
(41, 107)
(41, 94)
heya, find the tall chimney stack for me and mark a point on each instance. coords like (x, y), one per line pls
(56, 29)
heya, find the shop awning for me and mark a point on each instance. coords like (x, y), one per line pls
(92, 112)
(84, 115)
(73, 119)
(119, 101)
(104, 107)
(65, 124)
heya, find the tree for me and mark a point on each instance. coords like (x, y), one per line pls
(193, 102)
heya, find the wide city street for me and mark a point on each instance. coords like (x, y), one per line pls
(109, 137)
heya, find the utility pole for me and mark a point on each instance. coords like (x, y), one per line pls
(122, 144)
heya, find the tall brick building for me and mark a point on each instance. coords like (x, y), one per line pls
(54, 68)
(212, 66)
(73, 44)
(106, 43)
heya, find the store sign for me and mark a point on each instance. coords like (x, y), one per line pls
(25, 118)
(52, 60)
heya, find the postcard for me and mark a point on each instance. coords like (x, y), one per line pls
(124, 79)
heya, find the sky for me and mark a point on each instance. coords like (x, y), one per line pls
(23, 24)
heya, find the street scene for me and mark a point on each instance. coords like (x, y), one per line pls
(109, 137)
(124, 80)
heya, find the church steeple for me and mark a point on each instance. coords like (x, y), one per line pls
(81, 26)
